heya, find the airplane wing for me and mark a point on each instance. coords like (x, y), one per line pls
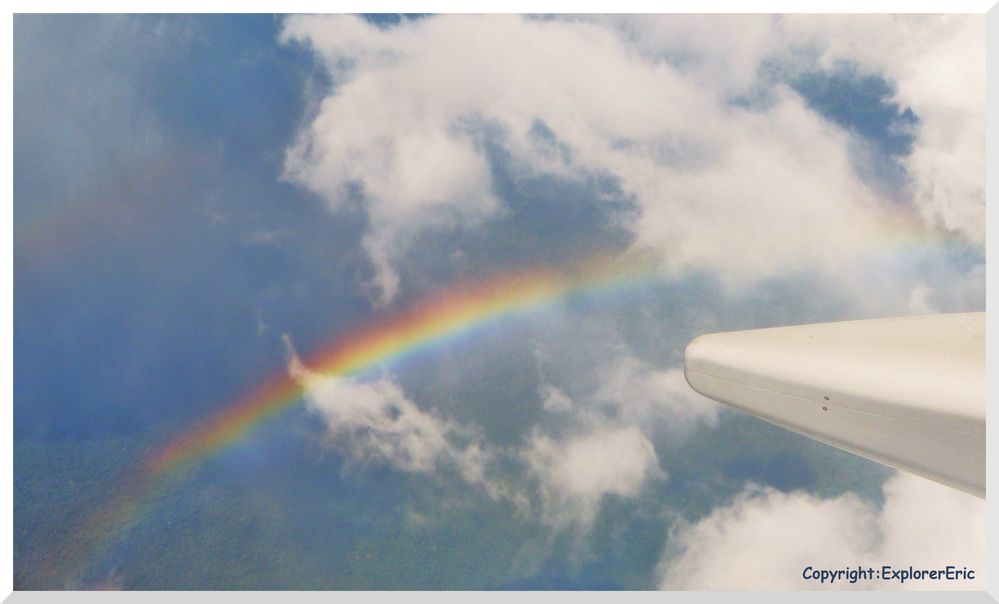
(908, 392)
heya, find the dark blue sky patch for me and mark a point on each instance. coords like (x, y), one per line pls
(389, 20)
(783, 470)
(860, 103)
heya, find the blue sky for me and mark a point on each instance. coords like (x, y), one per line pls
(189, 191)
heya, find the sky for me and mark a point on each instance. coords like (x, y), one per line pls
(204, 204)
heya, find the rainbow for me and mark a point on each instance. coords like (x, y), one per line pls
(384, 340)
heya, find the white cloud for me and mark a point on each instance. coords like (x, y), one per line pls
(561, 481)
(919, 300)
(749, 193)
(936, 63)
(721, 51)
(602, 441)
(393, 125)
(638, 393)
(765, 539)
(938, 66)
(574, 474)
(554, 400)
(377, 422)
(374, 422)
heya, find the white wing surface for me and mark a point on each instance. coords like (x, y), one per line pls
(908, 392)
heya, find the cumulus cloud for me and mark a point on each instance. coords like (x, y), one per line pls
(722, 52)
(648, 102)
(638, 393)
(919, 300)
(373, 421)
(554, 400)
(559, 479)
(574, 474)
(937, 65)
(765, 538)
(601, 442)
